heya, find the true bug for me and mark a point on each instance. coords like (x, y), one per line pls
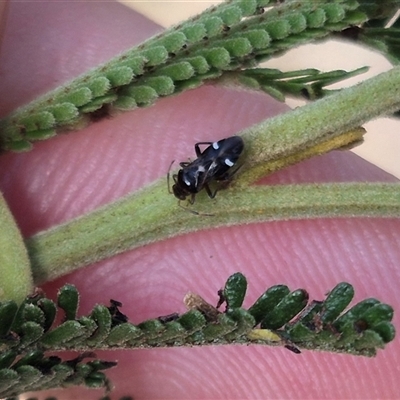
(213, 164)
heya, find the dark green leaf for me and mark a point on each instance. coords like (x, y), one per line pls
(32, 357)
(369, 340)
(83, 370)
(268, 301)
(192, 320)
(386, 331)
(28, 376)
(152, 328)
(96, 380)
(244, 320)
(355, 313)
(300, 333)
(376, 314)
(101, 315)
(88, 328)
(41, 134)
(174, 331)
(34, 314)
(338, 299)
(68, 300)
(285, 310)
(7, 358)
(123, 333)
(8, 378)
(235, 290)
(67, 331)
(98, 365)
(31, 332)
(49, 309)
(223, 326)
(8, 311)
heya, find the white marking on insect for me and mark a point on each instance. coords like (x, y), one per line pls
(212, 166)
(201, 168)
(215, 145)
(228, 162)
(187, 183)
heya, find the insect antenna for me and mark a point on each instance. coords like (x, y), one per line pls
(194, 211)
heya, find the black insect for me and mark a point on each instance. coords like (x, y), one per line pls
(215, 163)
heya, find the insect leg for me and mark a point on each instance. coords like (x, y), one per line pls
(197, 147)
(223, 182)
(211, 195)
(194, 211)
(192, 198)
(227, 177)
(169, 170)
(187, 209)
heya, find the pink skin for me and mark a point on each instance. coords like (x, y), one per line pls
(75, 173)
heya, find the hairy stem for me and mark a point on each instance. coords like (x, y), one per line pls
(152, 215)
(285, 134)
(15, 270)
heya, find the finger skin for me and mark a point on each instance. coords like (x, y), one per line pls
(72, 174)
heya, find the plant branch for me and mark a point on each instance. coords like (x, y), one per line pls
(279, 317)
(326, 118)
(224, 38)
(151, 214)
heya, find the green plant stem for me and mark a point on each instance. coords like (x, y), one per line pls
(152, 215)
(15, 270)
(287, 133)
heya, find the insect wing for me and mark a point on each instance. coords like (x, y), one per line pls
(228, 154)
(205, 171)
(195, 175)
(232, 148)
